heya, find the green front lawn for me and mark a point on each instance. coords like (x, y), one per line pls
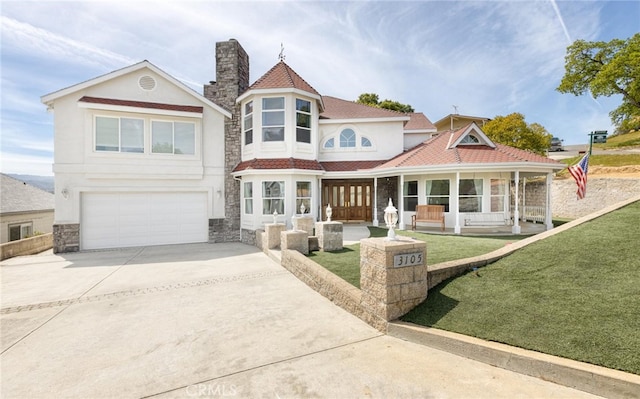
(574, 295)
(440, 248)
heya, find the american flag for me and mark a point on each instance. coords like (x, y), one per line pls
(579, 173)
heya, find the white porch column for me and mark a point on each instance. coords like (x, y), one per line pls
(548, 209)
(400, 205)
(375, 202)
(524, 197)
(456, 229)
(516, 213)
(319, 207)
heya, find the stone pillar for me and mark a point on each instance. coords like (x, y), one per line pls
(271, 236)
(66, 238)
(393, 276)
(304, 223)
(297, 240)
(329, 235)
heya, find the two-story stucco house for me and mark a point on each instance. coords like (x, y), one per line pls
(141, 159)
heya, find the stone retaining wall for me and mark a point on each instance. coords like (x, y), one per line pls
(27, 246)
(601, 193)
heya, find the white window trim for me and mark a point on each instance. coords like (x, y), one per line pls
(173, 154)
(119, 118)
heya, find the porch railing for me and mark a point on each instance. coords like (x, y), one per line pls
(533, 214)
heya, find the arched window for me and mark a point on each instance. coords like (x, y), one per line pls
(329, 143)
(469, 139)
(365, 142)
(348, 138)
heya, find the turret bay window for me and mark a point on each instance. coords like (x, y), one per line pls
(119, 134)
(410, 193)
(272, 197)
(303, 121)
(248, 123)
(470, 195)
(303, 196)
(273, 119)
(438, 193)
(248, 198)
(173, 137)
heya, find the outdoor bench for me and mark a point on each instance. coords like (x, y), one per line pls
(428, 214)
(486, 219)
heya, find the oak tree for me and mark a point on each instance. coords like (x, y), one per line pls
(373, 100)
(513, 130)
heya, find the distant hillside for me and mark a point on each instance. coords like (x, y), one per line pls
(42, 182)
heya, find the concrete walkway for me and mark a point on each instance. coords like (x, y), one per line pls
(206, 320)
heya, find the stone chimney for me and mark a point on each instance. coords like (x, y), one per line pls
(232, 74)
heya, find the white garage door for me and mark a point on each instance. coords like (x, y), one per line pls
(114, 220)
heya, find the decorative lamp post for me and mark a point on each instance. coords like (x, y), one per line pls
(391, 218)
(302, 208)
(329, 212)
(275, 217)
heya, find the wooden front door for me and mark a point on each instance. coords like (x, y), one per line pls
(350, 200)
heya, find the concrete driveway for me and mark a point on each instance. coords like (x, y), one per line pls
(205, 320)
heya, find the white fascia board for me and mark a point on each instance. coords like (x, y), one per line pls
(420, 131)
(285, 90)
(139, 110)
(48, 99)
(475, 168)
(363, 120)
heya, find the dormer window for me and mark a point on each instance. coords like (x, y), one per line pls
(303, 121)
(347, 138)
(470, 139)
(273, 119)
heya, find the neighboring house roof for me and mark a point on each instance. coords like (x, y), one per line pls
(335, 108)
(50, 98)
(278, 163)
(418, 123)
(282, 76)
(439, 151)
(445, 123)
(18, 196)
(142, 104)
(350, 166)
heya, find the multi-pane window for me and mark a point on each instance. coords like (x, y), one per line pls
(365, 142)
(470, 195)
(470, 139)
(498, 195)
(329, 143)
(119, 134)
(303, 121)
(438, 193)
(410, 193)
(248, 198)
(20, 231)
(273, 119)
(173, 137)
(347, 138)
(248, 123)
(303, 196)
(272, 197)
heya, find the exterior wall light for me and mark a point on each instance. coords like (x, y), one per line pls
(65, 192)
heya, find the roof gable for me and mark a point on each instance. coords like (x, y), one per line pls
(473, 132)
(50, 98)
(419, 123)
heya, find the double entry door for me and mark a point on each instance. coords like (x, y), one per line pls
(350, 200)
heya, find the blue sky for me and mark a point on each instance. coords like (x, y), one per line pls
(487, 58)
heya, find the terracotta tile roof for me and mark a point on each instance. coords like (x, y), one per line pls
(142, 104)
(419, 121)
(278, 163)
(435, 152)
(281, 76)
(335, 108)
(350, 166)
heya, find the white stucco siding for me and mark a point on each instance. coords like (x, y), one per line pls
(386, 141)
